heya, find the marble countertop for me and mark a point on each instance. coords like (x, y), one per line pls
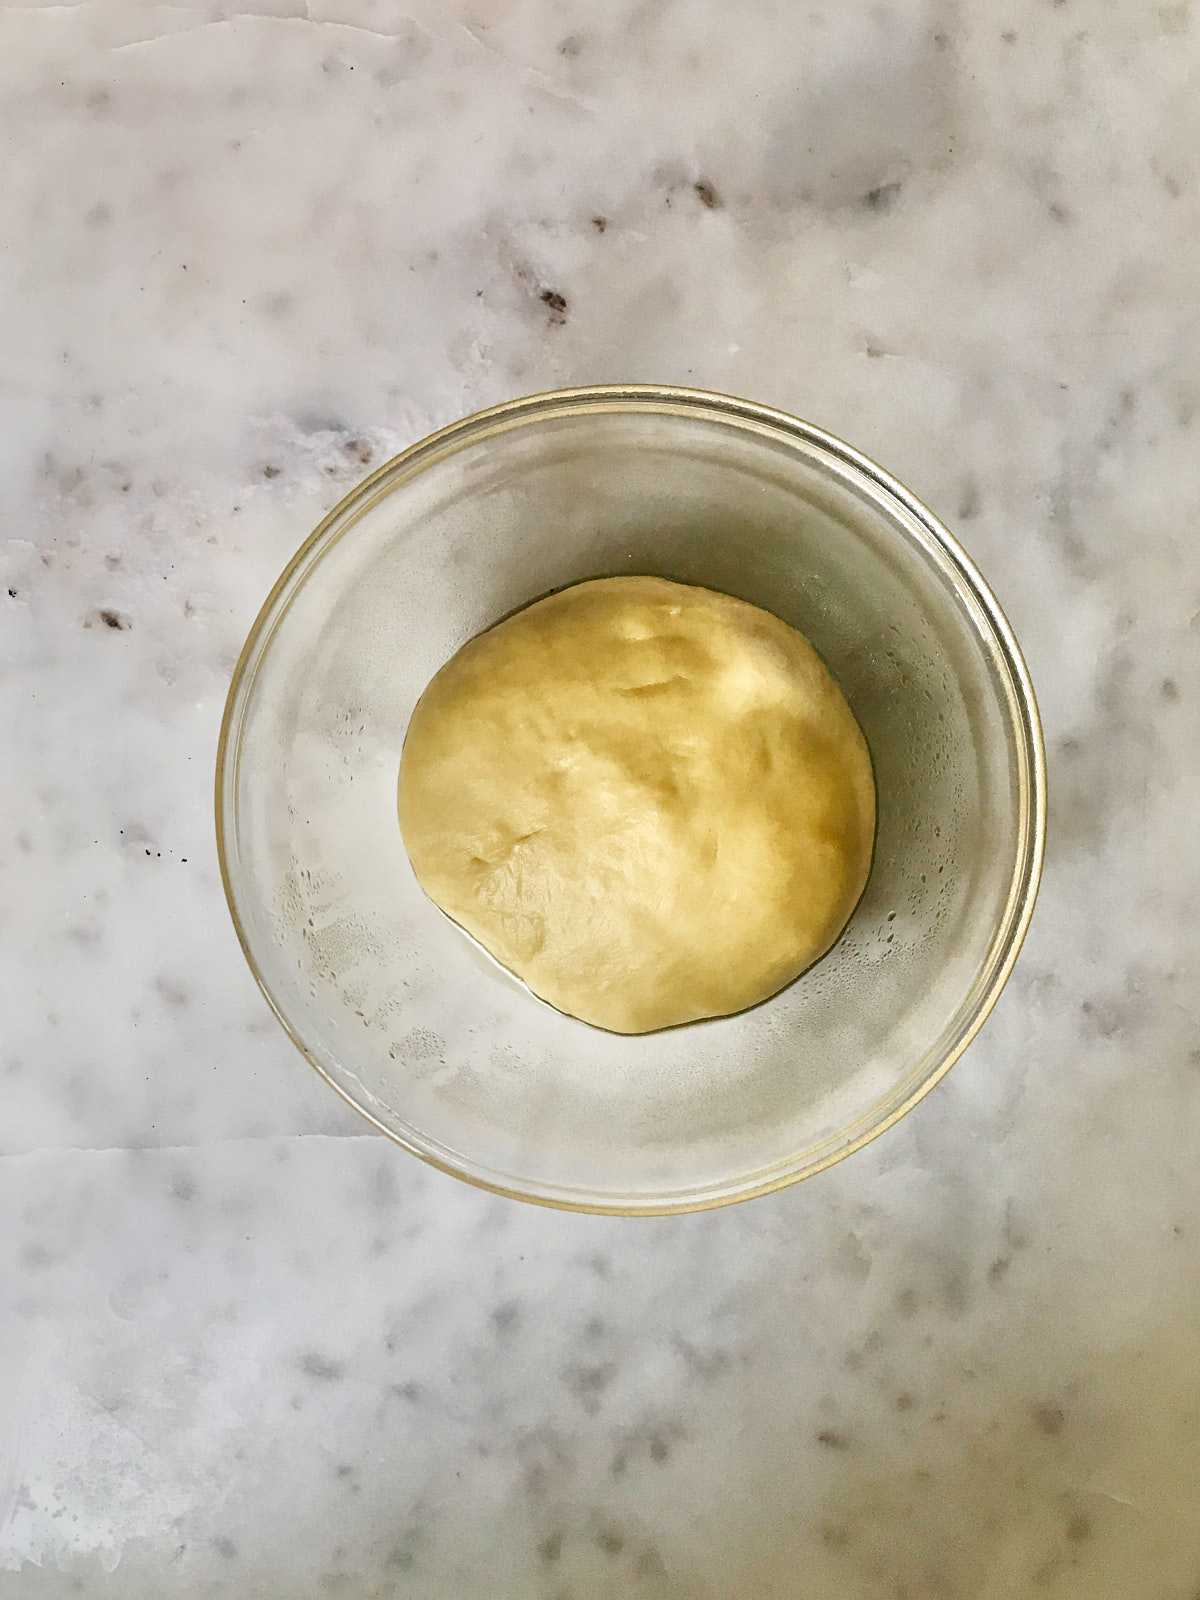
(247, 1348)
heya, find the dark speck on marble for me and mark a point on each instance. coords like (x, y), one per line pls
(506, 1318)
(1168, 689)
(544, 1462)
(1049, 1419)
(111, 619)
(589, 1382)
(319, 422)
(1106, 1018)
(833, 1439)
(706, 1365)
(550, 1548)
(882, 197)
(611, 1540)
(1059, 212)
(707, 195)
(571, 46)
(321, 1368)
(173, 992)
(1009, 36)
(270, 471)
(657, 1439)
(383, 1186)
(556, 305)
(968, 501)
(600, 224)
(1079, 1527)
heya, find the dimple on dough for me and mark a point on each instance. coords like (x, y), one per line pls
(649, 801)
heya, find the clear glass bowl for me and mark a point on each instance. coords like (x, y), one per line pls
(435, 1044)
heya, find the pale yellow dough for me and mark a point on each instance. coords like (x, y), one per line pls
(649, 801)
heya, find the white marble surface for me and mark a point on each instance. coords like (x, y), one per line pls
(247, 1349)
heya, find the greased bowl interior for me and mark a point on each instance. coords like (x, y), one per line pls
(432, 1041)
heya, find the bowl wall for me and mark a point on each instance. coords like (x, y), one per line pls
(434, 1042)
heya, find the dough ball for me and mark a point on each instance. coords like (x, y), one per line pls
(649, 801)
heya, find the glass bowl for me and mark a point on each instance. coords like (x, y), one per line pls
(404, 1016)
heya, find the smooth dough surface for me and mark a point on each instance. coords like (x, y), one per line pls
(649, 801)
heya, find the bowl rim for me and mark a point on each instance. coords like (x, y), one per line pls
(643, 397)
